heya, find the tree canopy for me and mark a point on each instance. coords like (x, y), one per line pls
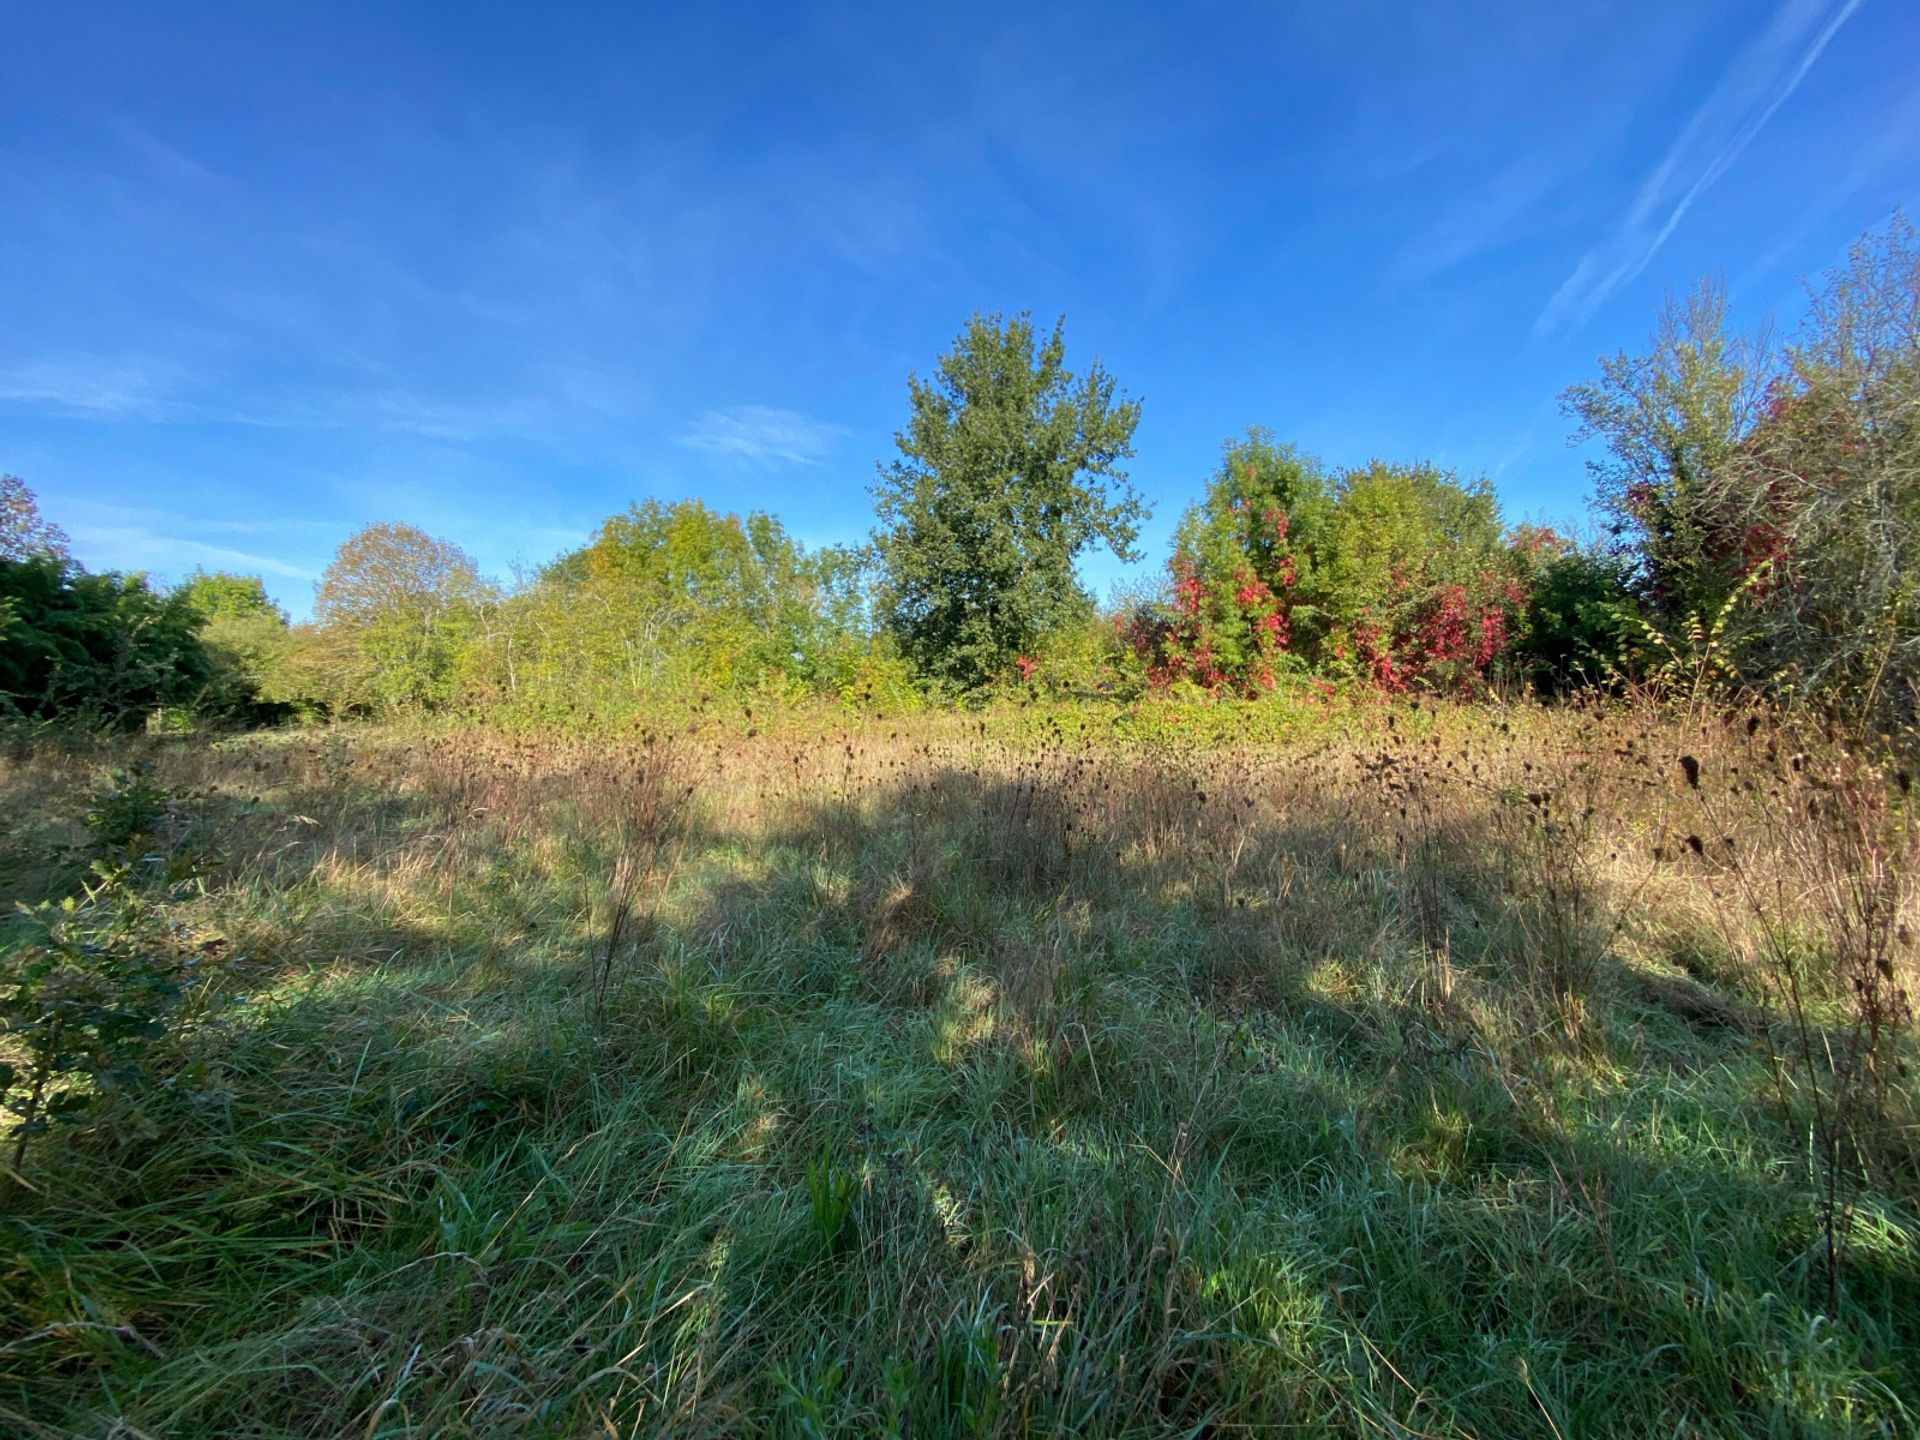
(218, 595)
(1765, 498)
(24, 533)
(1401, 575)
(103, 649)
(1008, 470)
(1671, 420)
(395, 607)
(1761, 504)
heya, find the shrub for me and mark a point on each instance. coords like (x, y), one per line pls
(128, 808)
(94, 649)
(95, 980)
(1577, 629)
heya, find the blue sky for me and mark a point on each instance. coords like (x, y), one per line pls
(271, 272)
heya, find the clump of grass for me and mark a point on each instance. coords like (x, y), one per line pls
(830, 1192)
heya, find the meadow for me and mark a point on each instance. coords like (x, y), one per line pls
(1373, 1068)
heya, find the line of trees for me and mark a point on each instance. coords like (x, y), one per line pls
(1760, 502)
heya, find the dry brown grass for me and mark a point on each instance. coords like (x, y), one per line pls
(1435, 955)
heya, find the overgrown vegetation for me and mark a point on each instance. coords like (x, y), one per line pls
(1406, 975)
(1759, 502)
(1771, 493)
(1447, 1070)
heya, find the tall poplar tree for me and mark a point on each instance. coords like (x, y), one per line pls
(1008, 471)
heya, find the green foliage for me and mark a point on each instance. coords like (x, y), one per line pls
(112, 650)
(841, 652)
(1397, 529)
(1259, 483)
(1081, 660)
(86, 985)
(1420, 584)
(1247, 587)
(1401, 575)
(812, 1396)
(1008, 470)
(249, 646)
(1672, 419)
(679, 598)
(1261, 1077)
(712, 596)
(96, 649)
(128, 807)
(217, 595)
(395, 609)
(1827, 495)
(254, 669)
(1693, 652)
(830, 1192)
(965, 1395)
(874, 678)
(1765, 497)
(1579, 628)
(1760, 499)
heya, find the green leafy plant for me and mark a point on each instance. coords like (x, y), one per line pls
(967, 1373)
(1008, 471)
(95, 983)
(812, 1394)
(128, 808)
(101, 651)
(830, 1192)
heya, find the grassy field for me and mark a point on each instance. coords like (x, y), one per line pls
(1402, 1072)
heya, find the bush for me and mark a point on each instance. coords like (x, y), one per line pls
(94, 981)
(1578, 628)
(96, 649)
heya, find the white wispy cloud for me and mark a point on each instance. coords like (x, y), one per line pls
(136, 547)
(109, 536)
(162, 160)
(1480, 218)
(412, 413)
(1757, 84)
(96, 387)
(763, 435)
(147, 390)
(80, 512)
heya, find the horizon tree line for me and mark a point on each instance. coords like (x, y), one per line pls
(1760, 504)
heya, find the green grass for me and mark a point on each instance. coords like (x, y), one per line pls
(941, 1088)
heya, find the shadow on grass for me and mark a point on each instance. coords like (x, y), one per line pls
(1112, 1165)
